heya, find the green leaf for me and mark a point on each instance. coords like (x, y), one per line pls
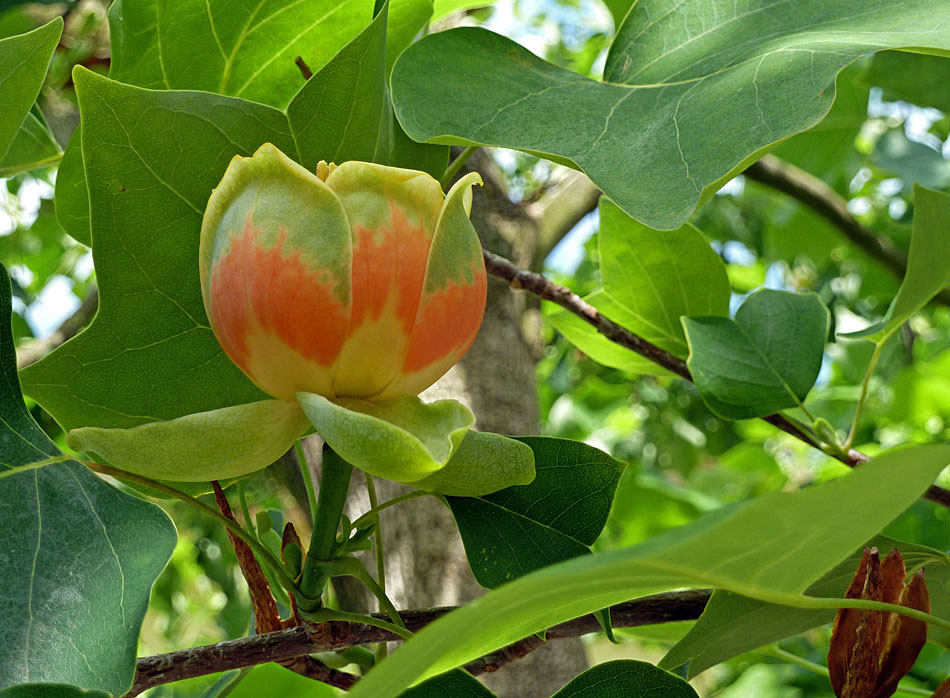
(245, 50)
(911, 161)
(692, 92)
(928, 263)
(733, 624)
(407, 18)
(149, 354)
(360, 66)
(786, 554)
(765, 360)
(23, 62)
(628, 678)
(274, 680)
(484, 463)
(50, 690)
(443, 8)
(456, 684)
(930, 86)
(32, 147)
(72, 194)
(215, 445)
(656, 277)
(558, 516)
(404, 439)
(75, 577)
(597, 346)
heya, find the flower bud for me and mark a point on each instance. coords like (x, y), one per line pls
(360, 281)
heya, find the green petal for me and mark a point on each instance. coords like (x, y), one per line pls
(404, 439)
(484, 463)
(213, 445)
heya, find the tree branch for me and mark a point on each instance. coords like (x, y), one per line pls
(826, 202)
(290, 646)
(540, 286)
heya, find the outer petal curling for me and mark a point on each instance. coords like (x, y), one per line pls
(213, 445)
(403, 440)
(453, 298)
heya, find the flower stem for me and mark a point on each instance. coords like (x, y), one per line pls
(872, 363)
(374, 512)
(307, 476)
(380, 555)
(456, 165)
(334, 484)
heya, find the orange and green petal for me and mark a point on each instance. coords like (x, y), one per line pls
(453, 297)
(274, 261)
(392, 214)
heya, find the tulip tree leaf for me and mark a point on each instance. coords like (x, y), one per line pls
(215, 445)
(75, 577)
(765, 360)
(788, 553)
(149, 353)
(930, 86)
(406, 19)
(32, 147)
(23, 62)
(404, 439)
(733, 624)
(457, 684)
(928, 262)
(243, 50)
(556, 517)
(658, 277)
(629, 678)
(484, 463)
(759, 72)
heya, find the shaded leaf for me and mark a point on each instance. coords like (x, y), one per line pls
(930, 86)
(23, 62)
(50, 690)
(787, 554)
(75, 577)
(32, 147)
(763, 361)
(752, 74)
(928, 263)
(456, 684)
(556, 517)
(628, 678)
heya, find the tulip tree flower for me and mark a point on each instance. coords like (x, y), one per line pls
(342, 294)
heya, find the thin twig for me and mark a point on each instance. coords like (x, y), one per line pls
(540, 286)
(827, 203)
(286, 645)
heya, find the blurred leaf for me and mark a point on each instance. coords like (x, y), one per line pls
(32, 147)
(913, 77)
(274, 680)
(670, 77)
(911, 161)
(558, 516)
(928, 263)
(23, 63)
(763, 361)
(787, 554)
(657, 277)
(50, 690)
(443, 8)
(75, 576)
(631, 679)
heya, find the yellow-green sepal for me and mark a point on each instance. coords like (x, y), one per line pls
(214, 445)
(484, 463)
(404, 439)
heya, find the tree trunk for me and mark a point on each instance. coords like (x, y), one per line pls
(425, 561)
